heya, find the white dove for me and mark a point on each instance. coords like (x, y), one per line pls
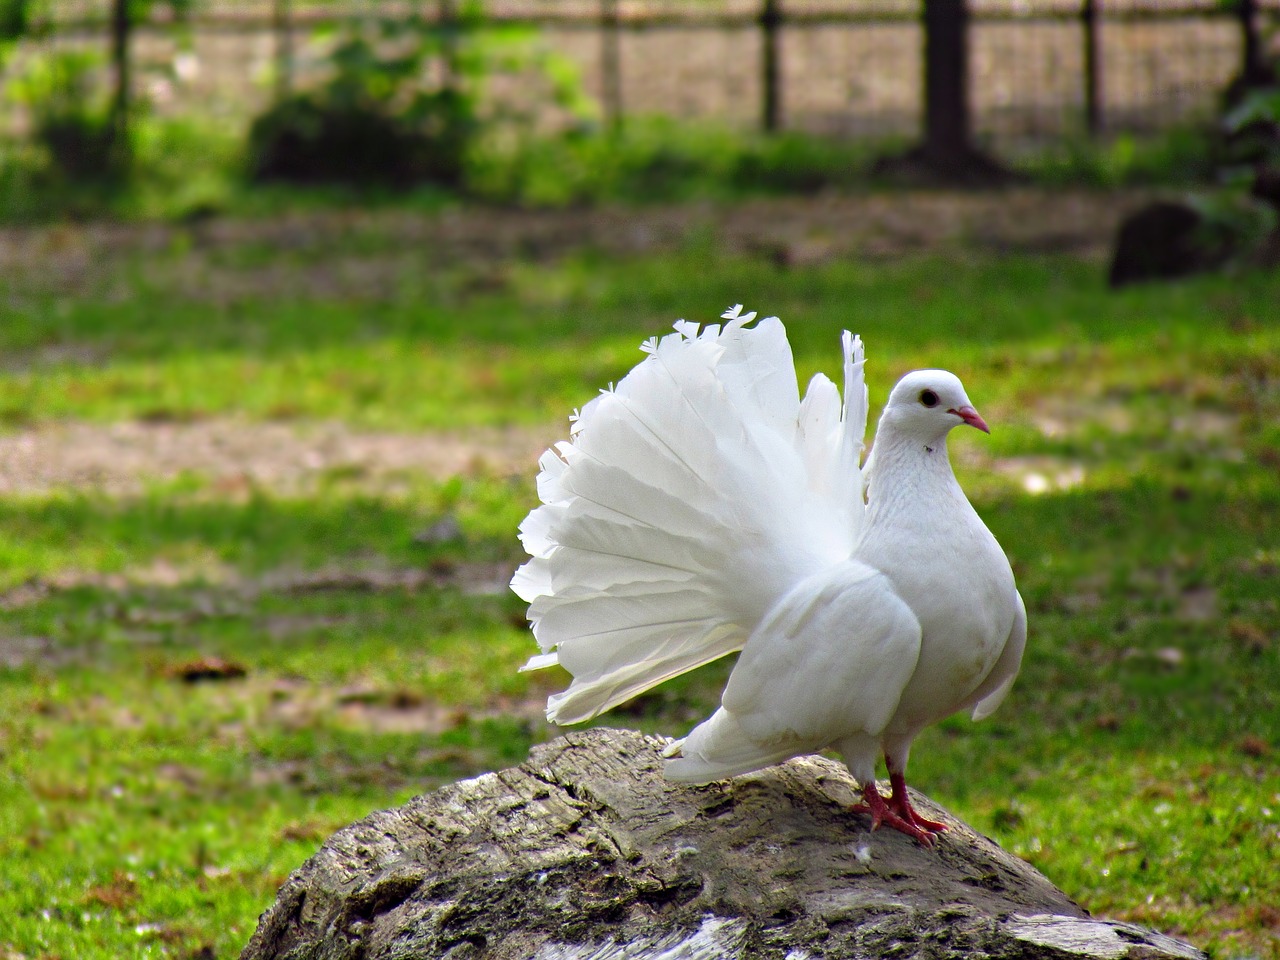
(701, 508)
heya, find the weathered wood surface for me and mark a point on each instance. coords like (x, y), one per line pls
(586, 852)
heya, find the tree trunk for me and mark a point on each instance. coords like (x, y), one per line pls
(585, 851)
(946, 152)
(1255, 71)
(946, 82)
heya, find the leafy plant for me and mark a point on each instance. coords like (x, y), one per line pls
(1252, 128)
(656, 159)
(15, 20)
(71, 115)
(404, 102)
(80, 115)
(1232, 220)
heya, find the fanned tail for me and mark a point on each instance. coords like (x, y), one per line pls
(687, 501)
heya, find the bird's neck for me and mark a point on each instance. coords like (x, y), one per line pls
(904, 470)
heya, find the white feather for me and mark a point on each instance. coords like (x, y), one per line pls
(690, 498)
(791, 690)
(702, 507)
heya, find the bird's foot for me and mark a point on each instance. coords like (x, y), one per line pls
(882, 814)
(900, 803)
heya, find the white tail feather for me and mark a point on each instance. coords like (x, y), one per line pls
(689, 499)
(720, 748)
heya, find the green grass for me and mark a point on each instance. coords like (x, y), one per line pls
(185, 169)
(145, 815)
(543, 339)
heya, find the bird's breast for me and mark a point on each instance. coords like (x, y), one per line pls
(959, 585)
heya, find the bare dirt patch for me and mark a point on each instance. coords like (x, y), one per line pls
(358, 253)
(236, 455)
(362, 253)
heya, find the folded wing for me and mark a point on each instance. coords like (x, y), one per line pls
(826, 667)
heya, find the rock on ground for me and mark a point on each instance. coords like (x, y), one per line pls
(586, 851)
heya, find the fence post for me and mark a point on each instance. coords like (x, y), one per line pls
(770, 61)
(281, 22)
(448, 21)
(611, 65)
(1092, 69)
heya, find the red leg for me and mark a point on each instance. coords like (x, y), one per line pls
(900, 803)
(882, 813)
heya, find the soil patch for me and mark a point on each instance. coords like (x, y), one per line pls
(363, 254)
(121, 459)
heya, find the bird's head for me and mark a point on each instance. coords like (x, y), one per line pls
(926, 404)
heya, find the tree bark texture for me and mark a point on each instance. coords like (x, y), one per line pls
(585, 852)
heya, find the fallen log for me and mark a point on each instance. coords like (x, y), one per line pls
(585, 852)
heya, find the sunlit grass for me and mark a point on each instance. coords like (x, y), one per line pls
(200, 534)
(422, 354)
(146, 812)
(186, 169)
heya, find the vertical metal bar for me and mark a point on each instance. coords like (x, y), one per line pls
(611, 64)
(283, 28)
(770, 64)
(1092, 69)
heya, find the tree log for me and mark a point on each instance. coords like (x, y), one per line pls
(585, 852)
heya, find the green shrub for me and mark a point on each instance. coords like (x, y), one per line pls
(1178, 157)
(71, 118)
(316, 138)
(657, 159)
(378, 118)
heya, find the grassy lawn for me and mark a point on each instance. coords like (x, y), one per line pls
(205, 670)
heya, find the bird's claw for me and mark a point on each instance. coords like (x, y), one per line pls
(908, 813)
(924, 823)
(923, 831)
(900, 803)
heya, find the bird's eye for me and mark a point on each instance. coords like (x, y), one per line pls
(929, 398)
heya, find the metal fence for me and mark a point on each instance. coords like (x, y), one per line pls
(1041, 69)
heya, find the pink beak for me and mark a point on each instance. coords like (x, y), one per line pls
(972, 418)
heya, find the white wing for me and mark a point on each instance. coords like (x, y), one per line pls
(687, 502)
(827, 665)
(988, 697)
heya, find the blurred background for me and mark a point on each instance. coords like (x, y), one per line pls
(510, 100)
(293, 294)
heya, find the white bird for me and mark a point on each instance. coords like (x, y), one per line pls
(701, 507)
